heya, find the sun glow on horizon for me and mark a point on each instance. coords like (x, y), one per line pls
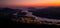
(30, 3)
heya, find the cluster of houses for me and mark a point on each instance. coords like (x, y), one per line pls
(32, 20)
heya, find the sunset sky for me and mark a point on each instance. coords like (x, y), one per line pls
(29, 2)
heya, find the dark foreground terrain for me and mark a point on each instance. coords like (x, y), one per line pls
(6, 14)
(25, 25)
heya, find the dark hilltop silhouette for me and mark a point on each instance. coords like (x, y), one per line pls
(6, 14)
(49, 12)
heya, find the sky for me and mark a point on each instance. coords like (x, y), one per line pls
(29, 2)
